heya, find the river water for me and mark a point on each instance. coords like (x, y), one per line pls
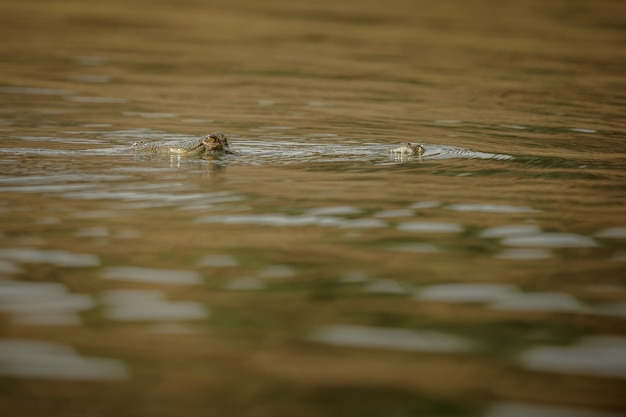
(316, 273)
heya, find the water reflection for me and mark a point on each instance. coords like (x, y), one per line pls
(430, 227)
(594, 355)
(465, 292)
(536, 410)
(394, 339)
(490, 208)
(142, 305)
(612, 233)
(551, 240)
(524, 254)
(386, 286)
(316, 227)
(42, 303)
(218, 261)
(539, 301)
(151, 275)
(502, 297)
(244, 283)
(56, 257)
(46, 360)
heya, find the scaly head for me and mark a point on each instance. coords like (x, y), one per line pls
(417, 148)
(408, 148)
(216, 142)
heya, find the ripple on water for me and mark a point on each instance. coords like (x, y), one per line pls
(507, 409)
(425, 205)
(36, 91)
(510, 231)
(277, 271)
(218, 261)
(151, 275)
(394, 213)
(98, 100)
(539, 301)
(430, 227)
(333, 211)
(524, 254)
(476, 293)
(393, 339)
(596, 355)
(552, 240)
(42, 303)
(286, 220)
(418, 247)
(491, 208)
(147, 305)
(615, 309)
(612, 233)
(149, 115)
(386, 286)
(8, 267)
(244, 284)
(55, 257)
(45, 360)
(501, 297)
(91, 78)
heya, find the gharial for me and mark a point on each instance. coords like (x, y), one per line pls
(216, 143)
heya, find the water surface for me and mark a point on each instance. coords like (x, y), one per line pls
(316, 273)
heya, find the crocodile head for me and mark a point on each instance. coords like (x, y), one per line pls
(216, 142)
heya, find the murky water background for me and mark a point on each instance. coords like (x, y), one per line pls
(315, 274)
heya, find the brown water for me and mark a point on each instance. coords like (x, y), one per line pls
(316, 274)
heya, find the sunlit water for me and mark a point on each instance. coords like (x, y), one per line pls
(315, 273)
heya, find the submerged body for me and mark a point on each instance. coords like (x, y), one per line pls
(215, 143)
